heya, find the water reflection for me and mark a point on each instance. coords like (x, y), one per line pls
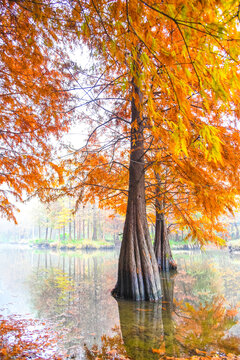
(168, 343)
(141, 328)
(205, 327)
(145, 326)
(173, 328)
(72, 290)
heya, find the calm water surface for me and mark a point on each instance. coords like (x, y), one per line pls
(71, 290)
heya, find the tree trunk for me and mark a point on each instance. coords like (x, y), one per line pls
(83, 229)
(138, 275)
(70, 230)
(64, 232)
(88, 229)
(46, 234)
(237, 231)
(161, 242)
(74, 229)
(50, 235)
(79, 235)
(162, 247)
(94, 233)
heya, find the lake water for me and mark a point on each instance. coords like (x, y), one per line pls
(71, 290)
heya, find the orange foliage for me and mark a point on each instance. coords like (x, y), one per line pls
(205, 327)
(32, 99)
(180, 57)
(184, 58)
(25, 339)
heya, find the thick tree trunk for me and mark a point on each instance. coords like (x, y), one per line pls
(138, 275)
(161, 242)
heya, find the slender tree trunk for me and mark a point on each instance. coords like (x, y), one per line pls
(79, 235)
(64, 232)
(161, 242)
(138, 275)
(237, 231)
(83, 229)
(50, 235)
(88, 229)
(70, 230)
(46, 234)
(94, 233)
(74, 229)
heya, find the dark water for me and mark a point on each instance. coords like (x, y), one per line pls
(72, 292)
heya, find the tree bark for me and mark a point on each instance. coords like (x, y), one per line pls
(138, 275)
(162, 247)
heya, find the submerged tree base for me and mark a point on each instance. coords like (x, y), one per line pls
(138, 275)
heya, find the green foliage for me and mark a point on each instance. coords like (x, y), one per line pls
(74, 244)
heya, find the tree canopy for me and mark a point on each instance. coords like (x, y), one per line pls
(33, 102)
(188, 76)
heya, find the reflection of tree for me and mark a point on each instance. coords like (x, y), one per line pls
(52, 290)
(147, 326)
(197, 281)
(207, 281)
(74, 293)
(171, 329)
(205, 327)
(141, 327)
(169, 344)
(112, 348)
